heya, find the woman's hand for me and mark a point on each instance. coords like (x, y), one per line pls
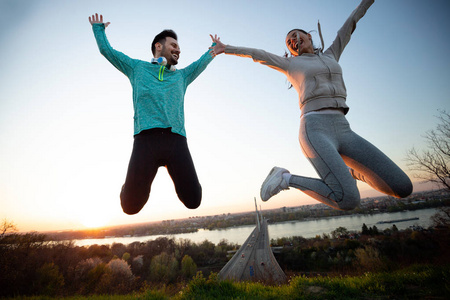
(96, 20)
(218, 47)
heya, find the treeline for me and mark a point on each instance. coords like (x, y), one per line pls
(32, 265)
(370, 250)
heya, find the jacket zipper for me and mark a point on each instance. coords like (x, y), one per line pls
(329, 73)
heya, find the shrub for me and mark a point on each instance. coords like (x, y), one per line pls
(117, 279)
(188, 267)
(49, 281)
(163, 268)
(369, 259)
(84, 275)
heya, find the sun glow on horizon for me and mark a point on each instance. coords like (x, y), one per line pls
(92, 219)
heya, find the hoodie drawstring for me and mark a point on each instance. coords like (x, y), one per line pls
(161, 73)
(320, 34)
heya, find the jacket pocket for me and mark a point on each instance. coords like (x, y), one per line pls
(325, 85)
(339, 88)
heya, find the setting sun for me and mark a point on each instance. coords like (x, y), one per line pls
(93, 219)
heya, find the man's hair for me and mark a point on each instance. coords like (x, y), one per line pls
(161, 38)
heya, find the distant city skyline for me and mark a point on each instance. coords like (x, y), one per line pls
(419, 218)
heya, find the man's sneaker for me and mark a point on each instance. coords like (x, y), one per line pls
(274, 183)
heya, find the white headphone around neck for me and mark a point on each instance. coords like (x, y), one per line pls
(162, 61)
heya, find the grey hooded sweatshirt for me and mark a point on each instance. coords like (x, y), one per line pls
(316, 77)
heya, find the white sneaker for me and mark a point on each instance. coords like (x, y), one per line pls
(274, 183)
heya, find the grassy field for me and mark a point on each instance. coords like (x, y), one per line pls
(416, 282)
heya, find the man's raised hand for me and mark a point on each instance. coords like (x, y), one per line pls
(218, 47)
(95, 19)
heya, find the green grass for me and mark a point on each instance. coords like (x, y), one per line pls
(415, 282)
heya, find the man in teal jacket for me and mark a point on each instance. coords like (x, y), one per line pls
(159, 133)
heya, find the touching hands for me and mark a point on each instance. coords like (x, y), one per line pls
(218, 46)
(96, 20)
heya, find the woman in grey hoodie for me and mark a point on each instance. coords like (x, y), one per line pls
(337, 153)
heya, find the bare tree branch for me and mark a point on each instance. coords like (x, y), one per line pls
(433, 164)
(7, 226)
(442, 217)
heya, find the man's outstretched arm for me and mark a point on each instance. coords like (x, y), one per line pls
(121, 61)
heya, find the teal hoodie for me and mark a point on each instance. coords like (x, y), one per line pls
(158, 92)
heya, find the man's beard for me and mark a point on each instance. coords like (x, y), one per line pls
(168, 55)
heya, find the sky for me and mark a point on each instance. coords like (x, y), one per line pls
(66, 116)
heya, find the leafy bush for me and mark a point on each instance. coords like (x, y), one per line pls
(164, 267)
(117, 278)
(49, 280)
(188, 267)
(369, 259)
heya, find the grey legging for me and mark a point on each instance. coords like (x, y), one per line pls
(340, 156)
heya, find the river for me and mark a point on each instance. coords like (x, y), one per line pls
(305, 229)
